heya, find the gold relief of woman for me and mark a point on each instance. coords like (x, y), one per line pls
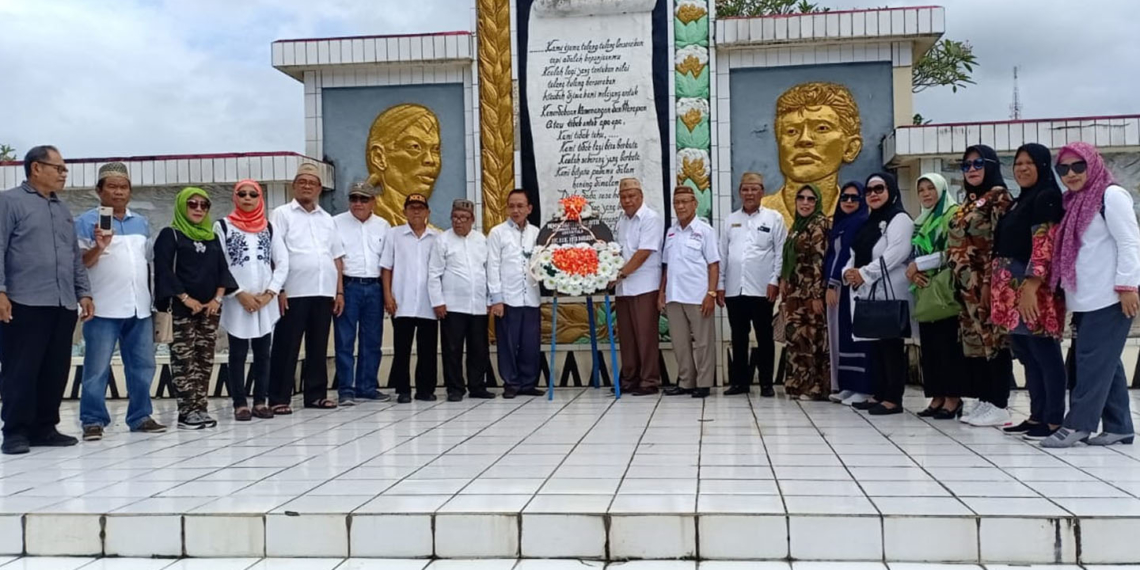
(403, 157)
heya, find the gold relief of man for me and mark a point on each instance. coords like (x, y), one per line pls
(818, 129)
(403, 157)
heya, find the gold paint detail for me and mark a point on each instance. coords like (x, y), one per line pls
(690, 13)
(573, 323)
(692, 118)
(694, 170)
(403, 157)
(690, 65)
(496, 108)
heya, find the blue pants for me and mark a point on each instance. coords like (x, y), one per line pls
(136, 345)
(1044, 376)
(1102, 388)
(518, 335)
(363, 312)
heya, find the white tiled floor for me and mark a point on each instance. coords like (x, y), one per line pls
(582, 476)
(484, 564)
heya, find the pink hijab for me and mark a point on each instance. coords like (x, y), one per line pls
(1081, 207)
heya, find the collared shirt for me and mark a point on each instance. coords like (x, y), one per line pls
(642, 231)
(258, 263)
(406, 256)
(312, 243)
(688, 253)
(509, 280)
(752, 247)
(41, 265)
(363, 243)
(120, 281)
(457, 273)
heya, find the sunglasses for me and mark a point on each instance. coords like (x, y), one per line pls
(805, 198)
(358, 199)
(877, 189)
(976, 164)
(248, 195)
(198, 205)
(849, 198)
(1078, 167)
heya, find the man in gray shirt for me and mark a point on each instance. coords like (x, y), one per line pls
(42, 280)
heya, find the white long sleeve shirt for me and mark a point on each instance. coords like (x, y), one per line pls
(363, 243)
(1109, 256)
(406, 256)
(894, 248)
(310, 239)
(642, 231)
(751, 252)
(508, 265)
(457, 273)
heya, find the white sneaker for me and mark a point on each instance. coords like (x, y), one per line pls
(990, 416)
(855, 398)
(968, 408)
(838, 397)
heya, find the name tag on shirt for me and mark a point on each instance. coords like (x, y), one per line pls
(735, 225)
(764, 229)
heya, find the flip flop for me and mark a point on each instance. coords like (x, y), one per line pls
(323, 404)
(281, 410)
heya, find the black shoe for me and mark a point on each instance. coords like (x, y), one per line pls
(1021, 428)
(768, 392)
(700, 393)
(377, 397)
(532, 392)
(881, 410)
(947, 414)
(509, 393)
(929, 412)
(676, 391)
(52, 439)
(404, 399)
(1038, 432)
(455, 397)
(864, 406)
(482, 395)
(642, 391)
(426, 397)
(737, 390)
(15, 444)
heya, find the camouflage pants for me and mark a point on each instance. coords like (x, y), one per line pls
(192, 359)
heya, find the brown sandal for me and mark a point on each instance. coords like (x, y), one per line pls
(242, 414)
(260, 411)
(281, 410)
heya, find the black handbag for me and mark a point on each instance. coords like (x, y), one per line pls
(881, 319)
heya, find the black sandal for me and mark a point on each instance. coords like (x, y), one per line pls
(322, 404)
(281, 410)
(243, 414)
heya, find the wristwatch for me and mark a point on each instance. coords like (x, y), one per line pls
(712, 293)
(218, 300)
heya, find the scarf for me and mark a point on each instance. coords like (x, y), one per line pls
(1035, 205)
(932, 224)
(1081, 207)
(253, 221)
(202, 231)
(801, 224)
(843, 227)
(993, 178)
(876, 226)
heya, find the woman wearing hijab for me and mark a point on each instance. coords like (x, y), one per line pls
(803, 284)
(191, 277)
(259, 264)
(989, 365)
(883, 241)
(943, 364)
(850, 367)
(1023, 302)
(1097, 262)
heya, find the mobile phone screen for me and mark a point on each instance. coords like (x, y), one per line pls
(105, 218)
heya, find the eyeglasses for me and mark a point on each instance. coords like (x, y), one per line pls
(248, 195)
(357, 199)
(58, 167)
(877, 189)
(198, 205)
(462, 218)
(806, 199)
(976, 164)
(849, 198)
(1078, 167)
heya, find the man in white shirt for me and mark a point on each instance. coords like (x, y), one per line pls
(688, 295)
(639, 232)
(116, 261)
(457, 287)
(515, 298)
(752, 249)
(404, 271)
(313, 294)
(361, 234)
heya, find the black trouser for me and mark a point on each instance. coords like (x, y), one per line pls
(943, 364)
(426, 334)
(239, 348)
(754, 313)
(890, 361)
(992, 377)
(34, 369)
(459, 329)
(308, 318)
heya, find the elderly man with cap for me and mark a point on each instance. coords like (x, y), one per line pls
(116, 260)
(457, 287)
(688, 295)
(404, 266)
(313, 294)
(639, 231)
(752, 250)
(515, 298)
(362, 236)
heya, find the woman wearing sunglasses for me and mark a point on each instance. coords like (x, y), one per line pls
(259, 263)
(1097, 263)
(883, 241)
(191, 278)
(1024, 304)
(850, 367)
(989, 365)
(804, 287)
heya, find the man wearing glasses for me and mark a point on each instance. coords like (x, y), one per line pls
(42, 282)
(362, 235)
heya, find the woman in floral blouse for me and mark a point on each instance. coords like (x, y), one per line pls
(969, 251)
(804, 287)
(1023, 303)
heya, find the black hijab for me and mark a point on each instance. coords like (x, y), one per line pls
(993, 177)
(877, 222)
(1035, 205)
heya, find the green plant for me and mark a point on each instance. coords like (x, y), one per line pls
(7, 152)
(950, 63)
(730, 8)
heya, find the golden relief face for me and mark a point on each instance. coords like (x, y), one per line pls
(403, 157)
(413, 164)
(812, 144)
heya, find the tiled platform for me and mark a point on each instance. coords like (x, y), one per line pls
(80, 563)
(581, 477)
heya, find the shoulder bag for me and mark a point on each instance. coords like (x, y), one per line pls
(881, 319)
(164, 320)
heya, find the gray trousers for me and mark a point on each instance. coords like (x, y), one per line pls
(1101, 392)
(694, 344)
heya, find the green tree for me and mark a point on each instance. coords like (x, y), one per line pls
(730, 8)
(7, 153)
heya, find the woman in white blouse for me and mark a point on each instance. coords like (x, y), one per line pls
(259, 263)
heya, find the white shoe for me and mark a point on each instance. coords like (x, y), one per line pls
(855, 398)
(990, 416)
(838, 397)
(968, 408)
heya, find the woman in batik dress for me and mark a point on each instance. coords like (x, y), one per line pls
(808, 376)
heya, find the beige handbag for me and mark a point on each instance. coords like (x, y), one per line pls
(164, 320)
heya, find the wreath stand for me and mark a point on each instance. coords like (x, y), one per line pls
(597, 364)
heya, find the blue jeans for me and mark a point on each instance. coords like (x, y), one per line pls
(1101, 391)
(1045, 376)
(136, 345)
(363, 311)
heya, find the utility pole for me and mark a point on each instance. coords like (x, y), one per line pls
(1015, 107)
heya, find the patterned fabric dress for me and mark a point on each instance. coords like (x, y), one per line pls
(808, 360)
(969, 254)
(1010, 273)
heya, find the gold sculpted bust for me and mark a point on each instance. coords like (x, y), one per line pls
(402, 157)
(817, 131)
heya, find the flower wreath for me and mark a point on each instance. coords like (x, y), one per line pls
(576, 269)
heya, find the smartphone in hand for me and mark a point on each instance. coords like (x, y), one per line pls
(105, 213)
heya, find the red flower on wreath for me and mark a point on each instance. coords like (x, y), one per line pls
(572, 207)
(576, 260)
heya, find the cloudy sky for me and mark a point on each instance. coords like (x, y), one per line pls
(138, 77)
